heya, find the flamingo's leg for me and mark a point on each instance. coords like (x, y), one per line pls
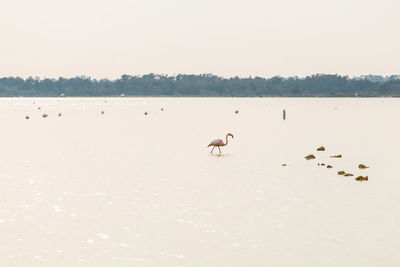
(219, 150)
(212, 149)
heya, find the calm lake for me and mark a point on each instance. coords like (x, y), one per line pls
(128, 189)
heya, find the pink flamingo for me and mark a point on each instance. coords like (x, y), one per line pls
(219, 142)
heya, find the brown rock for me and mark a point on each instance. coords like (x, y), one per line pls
(311, 156)
(284, 164)
(362, 166)
(348, 174)
(341, 172)
(329, 166)
(237, 111)
(102, 112)
(59, 114)
(321, 148)
(145, 113)
(362, 178)
(27, 117)
(45, 115)
(337, 156)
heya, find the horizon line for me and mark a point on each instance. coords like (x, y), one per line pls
(37, 77)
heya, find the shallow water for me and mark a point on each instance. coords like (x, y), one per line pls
(125, 189)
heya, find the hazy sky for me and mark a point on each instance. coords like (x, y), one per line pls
(104, 38)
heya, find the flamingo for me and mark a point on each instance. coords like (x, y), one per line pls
(219, 142)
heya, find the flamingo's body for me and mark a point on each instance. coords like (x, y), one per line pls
(219, 142)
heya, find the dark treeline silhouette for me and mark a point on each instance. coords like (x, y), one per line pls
(320, 85)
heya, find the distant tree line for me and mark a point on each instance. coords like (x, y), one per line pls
(320, 85)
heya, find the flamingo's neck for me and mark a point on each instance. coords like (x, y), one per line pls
(226, 140)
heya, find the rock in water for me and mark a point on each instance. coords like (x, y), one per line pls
(337, 156)
(362, 178)
(145, 113)
(329, 166)
(284, 164)
(362, 166)
(311, 156)
(237, 111)
(341, 172)
(45, 115)
(27, 117)
(321, 148)
(102, 112)
(348, 174)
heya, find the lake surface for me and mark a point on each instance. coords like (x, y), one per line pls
(128, 189)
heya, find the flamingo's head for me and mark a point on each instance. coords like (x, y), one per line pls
(231, 135)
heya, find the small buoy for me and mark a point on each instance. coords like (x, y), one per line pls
(237, 111)
(45, 115)
(362, 166)
(145, 113)
(27, 117)
(102, 112)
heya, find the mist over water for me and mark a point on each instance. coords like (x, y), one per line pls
(128, 189)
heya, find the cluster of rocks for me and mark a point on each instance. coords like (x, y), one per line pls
(343, 173)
